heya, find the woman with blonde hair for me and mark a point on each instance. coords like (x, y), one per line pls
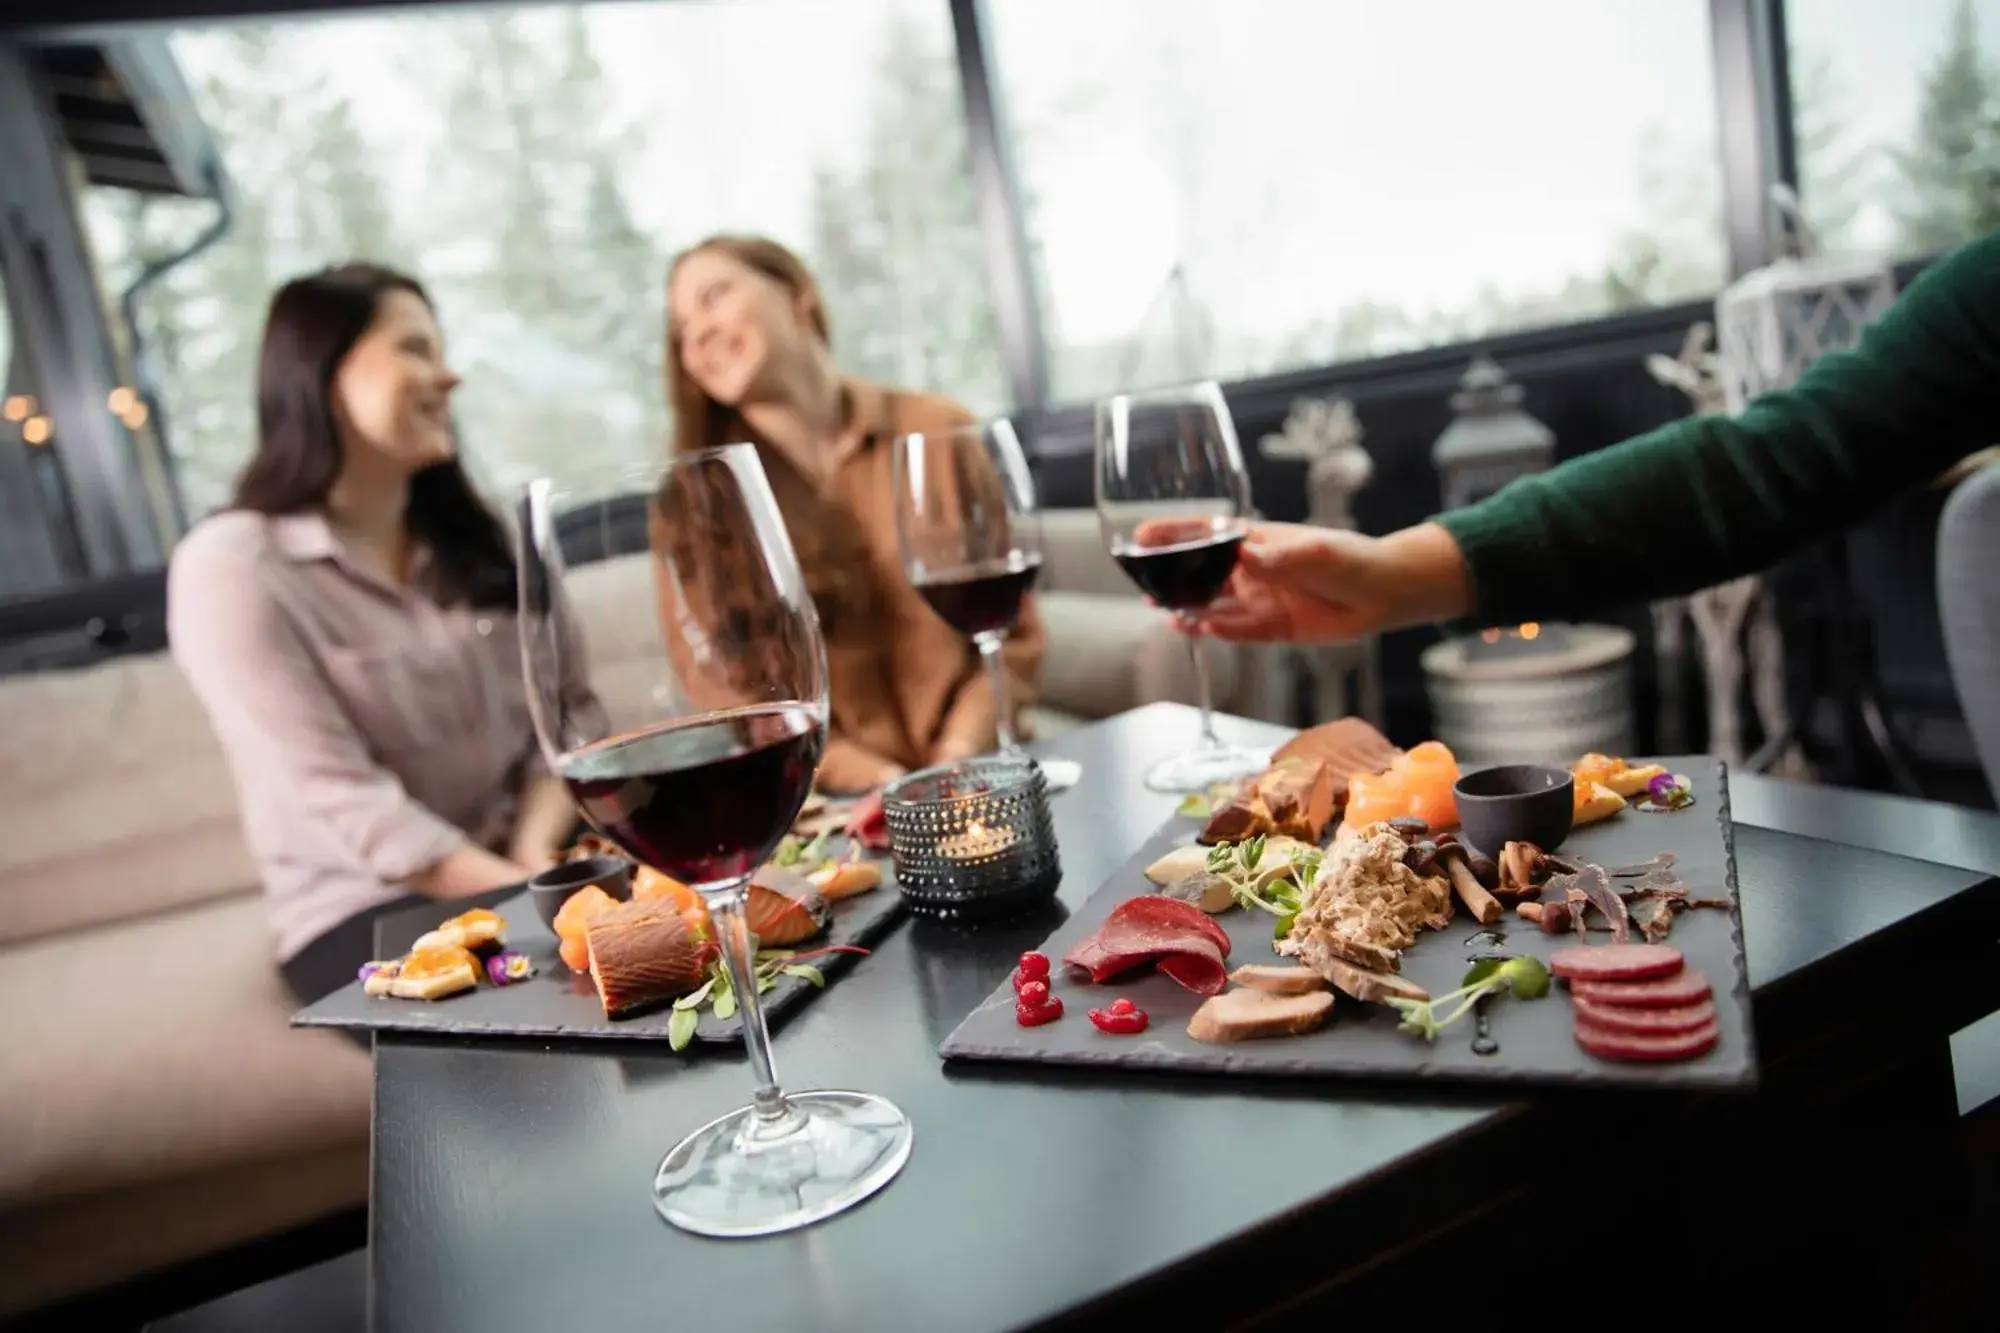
(749, 359)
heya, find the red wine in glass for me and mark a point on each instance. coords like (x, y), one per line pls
(1183, 576)
(984, 598)
(701, 799)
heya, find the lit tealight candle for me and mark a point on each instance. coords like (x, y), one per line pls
(977, 841)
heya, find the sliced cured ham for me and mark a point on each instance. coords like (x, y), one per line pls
(1178, 937)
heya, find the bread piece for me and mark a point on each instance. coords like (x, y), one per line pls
(434, 972)
(846, 879)
(1178, 865)
(1278, 980)
(1630, 782)
(1245, 1015)
(476, 929)
(1595, 802)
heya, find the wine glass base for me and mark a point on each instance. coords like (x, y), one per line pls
(1060, 774)
(722, 1181)
(1198, 770)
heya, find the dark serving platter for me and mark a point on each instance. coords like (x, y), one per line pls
(556, 1002)
(1361, 1041)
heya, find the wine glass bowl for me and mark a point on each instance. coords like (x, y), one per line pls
(970, 534)
(699, 770)
(1173, 502)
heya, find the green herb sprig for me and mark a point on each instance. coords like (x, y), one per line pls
(719, 993)
(1527, 978)
(1235, 863)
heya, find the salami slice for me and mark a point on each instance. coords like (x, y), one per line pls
(1644, 1022)
(1683, 988)
(1625, 1046)
(1615, 962)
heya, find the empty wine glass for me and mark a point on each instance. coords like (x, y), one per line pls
(971, 538)
(699, 771)
(1173, 499)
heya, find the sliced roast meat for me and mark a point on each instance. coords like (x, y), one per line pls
(1277, 979)
(1683, 988)
(1615, 962)
(1644, 1022)
(1607, 1045)
(1243, 1015)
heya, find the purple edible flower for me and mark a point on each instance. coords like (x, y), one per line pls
(370, 969)
(1669, 789)
(507, 967)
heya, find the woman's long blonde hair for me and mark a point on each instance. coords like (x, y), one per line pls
(830, 546)
(699, 421)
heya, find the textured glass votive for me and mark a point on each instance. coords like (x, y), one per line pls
(973, 839)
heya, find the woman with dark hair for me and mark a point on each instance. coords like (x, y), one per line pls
(348, 625)
(749, 360)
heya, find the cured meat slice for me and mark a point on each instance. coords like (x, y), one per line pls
(1615, 962)
(1607, 1045)
(1179, 936)
(1644, 1022)
(1683, 988)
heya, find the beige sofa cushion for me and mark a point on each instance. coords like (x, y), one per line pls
(159, 1048)
(115, 801)
(1108, 654)
(76, 1245)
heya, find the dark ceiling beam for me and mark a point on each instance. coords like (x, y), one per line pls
(84, 20)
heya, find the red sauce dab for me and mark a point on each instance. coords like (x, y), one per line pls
(1122, 1019)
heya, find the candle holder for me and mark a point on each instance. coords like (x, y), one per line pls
(973, 840)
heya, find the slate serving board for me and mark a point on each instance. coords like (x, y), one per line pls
(1362, 1041)
(556, 1002)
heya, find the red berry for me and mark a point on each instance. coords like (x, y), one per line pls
(1033, 966)
(1034, 994)
(1031, 1016)
(1121, 1005)
(1126, 1024)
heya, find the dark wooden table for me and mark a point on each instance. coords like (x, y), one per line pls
(511, 1180)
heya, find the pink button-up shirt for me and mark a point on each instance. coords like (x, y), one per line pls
(373, 727)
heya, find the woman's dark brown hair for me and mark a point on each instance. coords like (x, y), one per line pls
(831, 548)
(311, 326)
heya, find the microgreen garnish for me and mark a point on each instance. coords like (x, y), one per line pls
(1194, 805)
(1527, 978)
(1236, 863)
(719, 994)
(796, 851)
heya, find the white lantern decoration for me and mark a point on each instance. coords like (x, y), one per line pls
(1774, 322)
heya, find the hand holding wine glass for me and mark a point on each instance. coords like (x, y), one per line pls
(700, 776)
(1173, 498)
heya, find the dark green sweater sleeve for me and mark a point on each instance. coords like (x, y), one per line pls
(1712, 498)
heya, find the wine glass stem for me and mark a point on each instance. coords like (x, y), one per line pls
(1209, 739)
(773, 1117)
(990, 648)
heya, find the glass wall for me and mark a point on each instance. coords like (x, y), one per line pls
(1237, 189)
(1896, 111)
(537, 167)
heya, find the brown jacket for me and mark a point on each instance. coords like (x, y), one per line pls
(906, 689)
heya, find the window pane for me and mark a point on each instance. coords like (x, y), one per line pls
(536, 167)
(1896, 110)
(1239, 188)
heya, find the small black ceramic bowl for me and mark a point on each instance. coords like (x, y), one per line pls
(552, 888)
(1516, 803)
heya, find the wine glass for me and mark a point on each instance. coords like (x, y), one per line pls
(699, 772)
(971, 538)
(1173, 500)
